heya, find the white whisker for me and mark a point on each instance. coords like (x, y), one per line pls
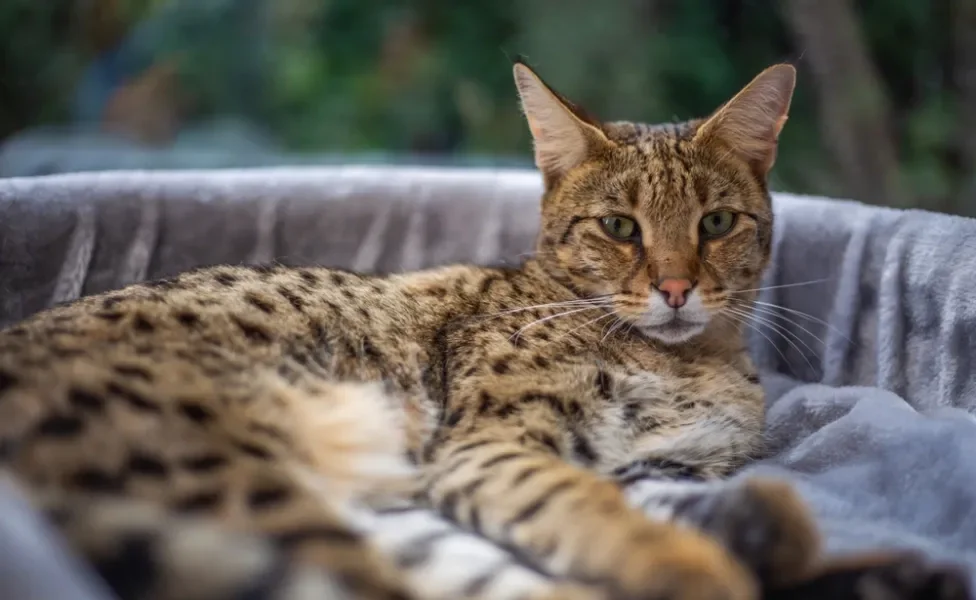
(776, 287)
(590, 322)
(741, 321)
(804, 315)
(783, 332)
(596, 300)
(772, 313)
(550, 317)
(613, 327)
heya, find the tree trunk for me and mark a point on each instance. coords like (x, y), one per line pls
(854, 110)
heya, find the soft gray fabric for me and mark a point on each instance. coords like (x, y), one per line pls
(33, 566)
(889, 463)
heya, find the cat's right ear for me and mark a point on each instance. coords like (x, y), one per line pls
(563, 137)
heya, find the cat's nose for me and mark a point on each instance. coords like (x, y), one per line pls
(675, 291)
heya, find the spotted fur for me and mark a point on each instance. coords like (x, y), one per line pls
(219, 434)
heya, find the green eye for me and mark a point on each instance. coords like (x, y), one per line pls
(717, 223)
(621, 228)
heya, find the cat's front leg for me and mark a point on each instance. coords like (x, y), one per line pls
(505, 474)
(701, 429)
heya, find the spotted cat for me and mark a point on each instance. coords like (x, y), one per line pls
(209, 436)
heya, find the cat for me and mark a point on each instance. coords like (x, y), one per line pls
(205, 436)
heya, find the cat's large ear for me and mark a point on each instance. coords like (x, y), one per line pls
(750, 123)
(563, 136)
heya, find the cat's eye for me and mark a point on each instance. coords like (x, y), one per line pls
(717, 223)
(620, 228)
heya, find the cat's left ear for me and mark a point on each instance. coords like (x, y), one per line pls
(750, 123)
(563, 137)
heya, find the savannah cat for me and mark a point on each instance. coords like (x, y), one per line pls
(202, 437)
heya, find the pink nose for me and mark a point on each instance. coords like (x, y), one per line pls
(675, 291)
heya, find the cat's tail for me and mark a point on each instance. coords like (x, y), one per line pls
(253, 528)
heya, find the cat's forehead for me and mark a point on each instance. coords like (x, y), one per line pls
(660, 167)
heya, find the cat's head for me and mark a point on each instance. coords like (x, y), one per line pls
(672, 222)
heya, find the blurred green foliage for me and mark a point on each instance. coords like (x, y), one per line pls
(433, 76)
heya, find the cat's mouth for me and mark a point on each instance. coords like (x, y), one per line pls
(675, 330)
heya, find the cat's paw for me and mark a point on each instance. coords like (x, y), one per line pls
(763, 523)
(680, 564)
(889, 576)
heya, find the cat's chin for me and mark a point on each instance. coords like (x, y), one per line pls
(673, 332)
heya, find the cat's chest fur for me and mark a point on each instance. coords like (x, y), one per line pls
(687, 409)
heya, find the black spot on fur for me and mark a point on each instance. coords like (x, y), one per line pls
(268, 430)
(260, 304)
(454, 417)
(347, 293)
(188, 319)
(163, 284)
(7, 381)
(253, 332)
(536, 506)
(553, 402)
(501, 366)
(225, 279)
(148, 466)
(264, 269)
(583, 450)
(752, 378)
(268, 497)
(130, 570)
(525, 474)
(134, 399)
(500, 459)
(541, 362)
(448, 505)
(631, 411)
(204, 463)
(337, 279)
(142, 324)
(472, 446)
(62, 352)
(196, 412)
(518, 341)
(656, 468)
(254, 450)
(110, 302)
(471, 487)
(86, 401)
(574, 410)
(134, 371)
(96, 481)
(506, 410)
(371, 351)
(485, 403)
(543, 336)
(110, 316)
(308, 277)
(200, 501)
(322, 533)
(60, 426)
(294, 299)
(604, 383)
(546, 440)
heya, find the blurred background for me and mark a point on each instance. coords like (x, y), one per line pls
(885, 111)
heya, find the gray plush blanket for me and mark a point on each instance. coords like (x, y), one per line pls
(865, 333)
